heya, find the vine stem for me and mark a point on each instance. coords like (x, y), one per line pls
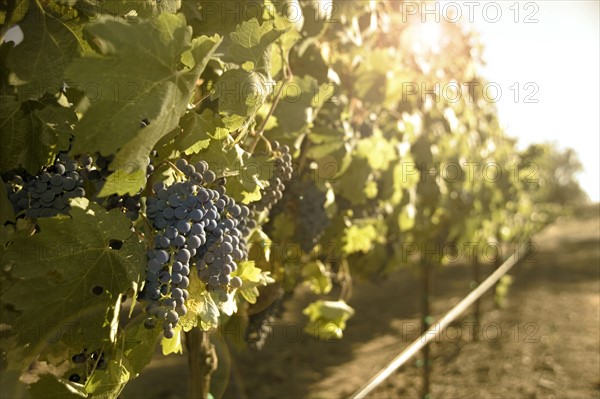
(263, 125)
(202, 362)
(477, 307)
(346, 292)
(204, 97)
(172, 165)
(425, 309)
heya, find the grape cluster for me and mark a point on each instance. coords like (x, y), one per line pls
(312, 214)
(48, 193)
(98, 173)
(194, 223)
(282, 173)
(260, 325)
(307, 202)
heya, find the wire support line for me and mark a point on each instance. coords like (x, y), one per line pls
(437, 327)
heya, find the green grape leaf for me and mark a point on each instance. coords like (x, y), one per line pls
(36, 131)
(16, 12)
(259, 245)
(301, 99)
(252, 42)
(371, 189)
(245, 190)
(109, 383)
(351, 184)
(327, 318)
(317, 277)
(378, 151)
(234, 122)
(406, 218)
(51, 387)
(283, 226)
(246, 175)
(213, 125)
(10, 385)
(38, 63)
(7, 213)
(61, 264)
(280, 53)
(360, 238)
(143, 8)
(370, 86)
(139, 76)
(139, 344)
(252, 277)
(198, 130)
(219, 159)
(253, 176)
(241, 92)
(325, 142)
(262, 114)
(215, 16)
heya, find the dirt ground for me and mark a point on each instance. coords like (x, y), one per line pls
(544, 343)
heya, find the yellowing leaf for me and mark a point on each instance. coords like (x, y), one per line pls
(252, 277)
(359, 238)
(317, 277)
(324, 330)
(406, 219)
(172, 345)
(370, 189)
(327, 318)
(378, 151)
(201, 307)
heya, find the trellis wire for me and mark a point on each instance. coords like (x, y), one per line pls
(439, 326)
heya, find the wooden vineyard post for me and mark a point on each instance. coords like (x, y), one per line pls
(426, 323)
(497, 264)
(477, 305)
(202, 361)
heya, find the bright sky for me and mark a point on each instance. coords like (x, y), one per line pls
(559, 56)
